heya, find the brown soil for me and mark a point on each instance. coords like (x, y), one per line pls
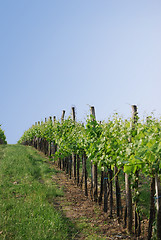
(81, 210)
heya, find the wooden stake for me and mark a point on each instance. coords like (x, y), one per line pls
(49, 143)
(38, 140)
(118, 194)
(78, 165)
(94, 169)
(62, 117)
(73, 154)
(105, 192)
(73, 114)
(152, 207)
(158, 205)
(101, 187)
(111, 190)
(54, 119)
(128, 202)
(128, 182)
(136, 212)
(54, 147)
(82, 177)
(85, 176)
(60, 163)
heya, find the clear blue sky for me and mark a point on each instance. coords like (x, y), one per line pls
(55, 54)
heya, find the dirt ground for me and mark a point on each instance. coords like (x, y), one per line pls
(81, 209)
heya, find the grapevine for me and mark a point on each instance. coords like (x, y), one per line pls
(113, 145)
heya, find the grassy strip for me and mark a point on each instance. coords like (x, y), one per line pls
(26, 195)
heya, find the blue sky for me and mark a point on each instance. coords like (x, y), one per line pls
(55, 54)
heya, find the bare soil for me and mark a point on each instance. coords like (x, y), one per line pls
(82, 211)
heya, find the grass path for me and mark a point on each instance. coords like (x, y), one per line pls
(26, 197)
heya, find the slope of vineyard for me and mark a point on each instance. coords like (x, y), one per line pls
(118, 145)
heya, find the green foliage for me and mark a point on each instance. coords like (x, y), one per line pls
(117, 142)
(93, 132)
(2, 137)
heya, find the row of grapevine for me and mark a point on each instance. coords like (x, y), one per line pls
(2, 137)
(103, 152)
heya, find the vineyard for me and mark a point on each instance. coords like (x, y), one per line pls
(111, 161)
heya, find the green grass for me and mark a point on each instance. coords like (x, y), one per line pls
(27, 193)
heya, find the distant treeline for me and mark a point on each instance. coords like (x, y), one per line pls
(2, 137)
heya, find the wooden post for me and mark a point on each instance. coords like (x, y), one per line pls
(137, 215)
(62, 117)
(61, 162)
(118, 194)
(128, 202)
(83, 168)
(54, 144)
(101, 187)
(78, 166)
(128, 182)
(105, 191)
(49, 143)
(34, 144)
(158, 205)
(81, 181)
(72, 157)
(85, 176)
(67, 165)
(44, 142)
(38, 140)
(94, 168)
(73, 154)
(34, 140)
(125, 216)
(91, 190)
(41, 141)
(70, 167)
(152, 207)
(73, 114)
(110, 173)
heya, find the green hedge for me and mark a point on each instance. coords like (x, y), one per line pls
(2, 137)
